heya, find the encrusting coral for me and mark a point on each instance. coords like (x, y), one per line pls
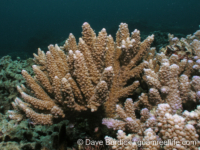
(82, 76)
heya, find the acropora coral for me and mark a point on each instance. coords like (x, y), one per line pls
(165, 111)
(99, 72)
(83, 76)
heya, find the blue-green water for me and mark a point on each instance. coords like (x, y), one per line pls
(27, 25)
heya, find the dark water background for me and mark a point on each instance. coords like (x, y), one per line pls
(26, 25)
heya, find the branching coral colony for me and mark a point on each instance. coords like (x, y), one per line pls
(83, 76)
(96, 72)
(173, 80)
